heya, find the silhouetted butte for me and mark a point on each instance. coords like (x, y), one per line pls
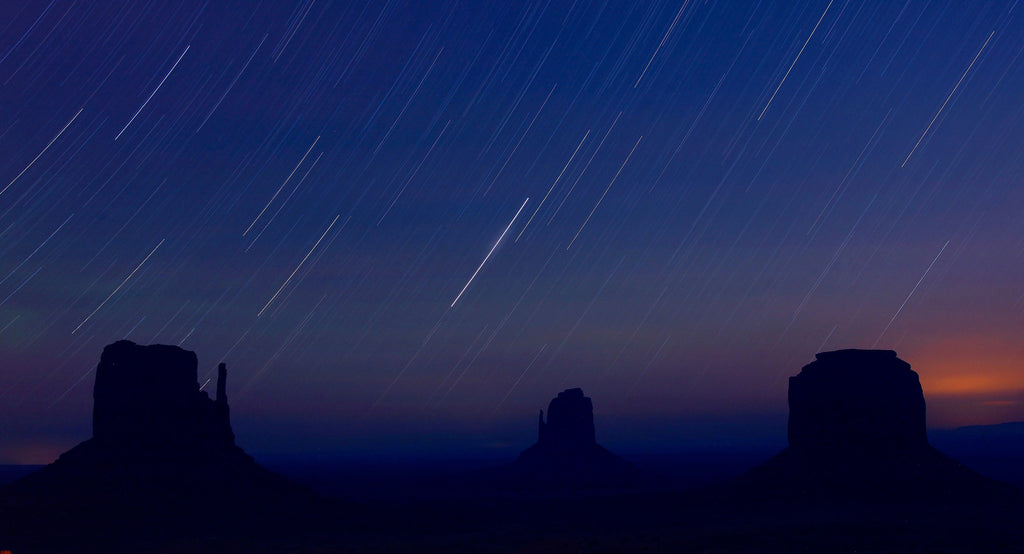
(566, 454)
(857, 432)
(162, 454)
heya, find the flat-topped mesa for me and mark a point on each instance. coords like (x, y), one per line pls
(857, 434)
(149, 397)
(851, 402)
(570, 421)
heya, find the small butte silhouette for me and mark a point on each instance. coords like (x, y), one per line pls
(566, 454)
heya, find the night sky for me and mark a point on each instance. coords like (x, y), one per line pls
(406, 225)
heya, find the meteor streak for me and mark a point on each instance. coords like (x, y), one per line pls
(496, 243)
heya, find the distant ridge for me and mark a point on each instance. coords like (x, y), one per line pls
(996, 450)
(1009, 427)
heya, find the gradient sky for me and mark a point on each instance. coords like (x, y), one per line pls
(679, 204)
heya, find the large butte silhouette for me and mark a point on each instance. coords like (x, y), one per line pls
(857, 433)
(566, 454)
(162, 455)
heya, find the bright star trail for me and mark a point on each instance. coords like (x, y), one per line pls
(796, 59)
(45, 148)
(126, 279)
(296, 270)
(323, 196)
(946, 101)
(911, 293)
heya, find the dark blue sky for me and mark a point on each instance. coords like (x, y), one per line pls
(695, 198)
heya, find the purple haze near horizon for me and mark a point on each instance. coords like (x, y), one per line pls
(694, 198)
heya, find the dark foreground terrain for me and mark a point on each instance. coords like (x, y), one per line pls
(465, 508)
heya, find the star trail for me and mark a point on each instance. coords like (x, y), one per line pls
(714, 192)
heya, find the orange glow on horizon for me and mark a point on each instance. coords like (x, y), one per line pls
(971, 380)
(970, 384)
